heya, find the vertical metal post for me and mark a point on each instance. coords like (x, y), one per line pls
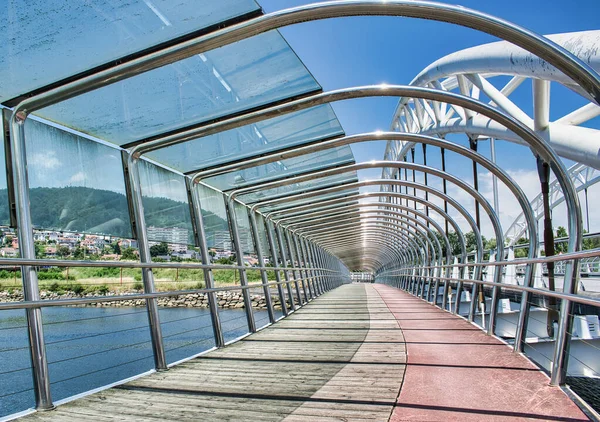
(494, 177)
(445, 188)
(302, 271)
(263, 273)
(296, 273)
(239, 254)
(282, 248)
(317, 263)
(280, 291)
(200, 235)
(426, 184)
(35, 331)
(307, 264)
(544, 175)
(324, 263)
(134, 194)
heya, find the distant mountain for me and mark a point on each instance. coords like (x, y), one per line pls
(88, 210)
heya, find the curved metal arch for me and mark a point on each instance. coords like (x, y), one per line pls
(360, 207)
(421, 230)
(382, 239)
(542, 47)
(478, 158)
(418, 245)
(398, 216)
(341, 227)
(536, 143)
(431, 205)
(484, 203)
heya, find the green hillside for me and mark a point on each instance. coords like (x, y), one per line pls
(80, 209)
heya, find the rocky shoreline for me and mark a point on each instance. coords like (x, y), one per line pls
(225, 299)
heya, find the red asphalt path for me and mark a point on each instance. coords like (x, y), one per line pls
(455, 372)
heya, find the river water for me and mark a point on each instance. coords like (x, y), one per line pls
(91, 347)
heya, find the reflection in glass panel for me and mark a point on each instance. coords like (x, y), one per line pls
(283, 168)
(236, 77)
(292, 129)
(298, 187)
(313, 200)
(244, 229)
(69, 38)
(214, 217)
(4, 207)
(262, 238)
(166, 208)
(75, 184)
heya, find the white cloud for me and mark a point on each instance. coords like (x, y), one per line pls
(77, 178)
(45, 161)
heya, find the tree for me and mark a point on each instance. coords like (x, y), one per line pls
(79, 253)
(116, 248)
(40, 250)
(63, 251)
(562, 246)
(161, 249)
(590, 242)
(128, 254)
(522, 252)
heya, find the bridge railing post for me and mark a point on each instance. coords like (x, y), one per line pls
(239, 253)
(274, 256)
(209, 282)
(261, 260)
(35, 331)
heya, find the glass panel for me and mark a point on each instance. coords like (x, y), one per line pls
(314, 200)
(230, 79)
(298, 187)
(214, 216)
(243, 223)
(284, 168)
(4, 207)
(166, 208)
(293, 129)
(71, 38)
(262, 238)
(76, 184)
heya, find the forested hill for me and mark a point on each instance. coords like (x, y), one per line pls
(80, 209)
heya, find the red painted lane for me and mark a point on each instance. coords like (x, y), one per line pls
(455, 372)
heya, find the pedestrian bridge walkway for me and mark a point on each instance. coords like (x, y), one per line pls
(358, 352)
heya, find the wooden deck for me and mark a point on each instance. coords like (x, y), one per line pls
(342, 357)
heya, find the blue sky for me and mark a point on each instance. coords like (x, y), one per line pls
(356, 51)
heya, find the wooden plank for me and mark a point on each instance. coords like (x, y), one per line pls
(340, 357)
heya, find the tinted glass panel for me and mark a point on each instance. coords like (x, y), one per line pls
(166, 206)
(76, 184)
(284, 168)
(292, 129)
(313, 200)
(230, 79)
(70, 37)
(298, 187)
(243, 222)
(214, 217)
(4, 210)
